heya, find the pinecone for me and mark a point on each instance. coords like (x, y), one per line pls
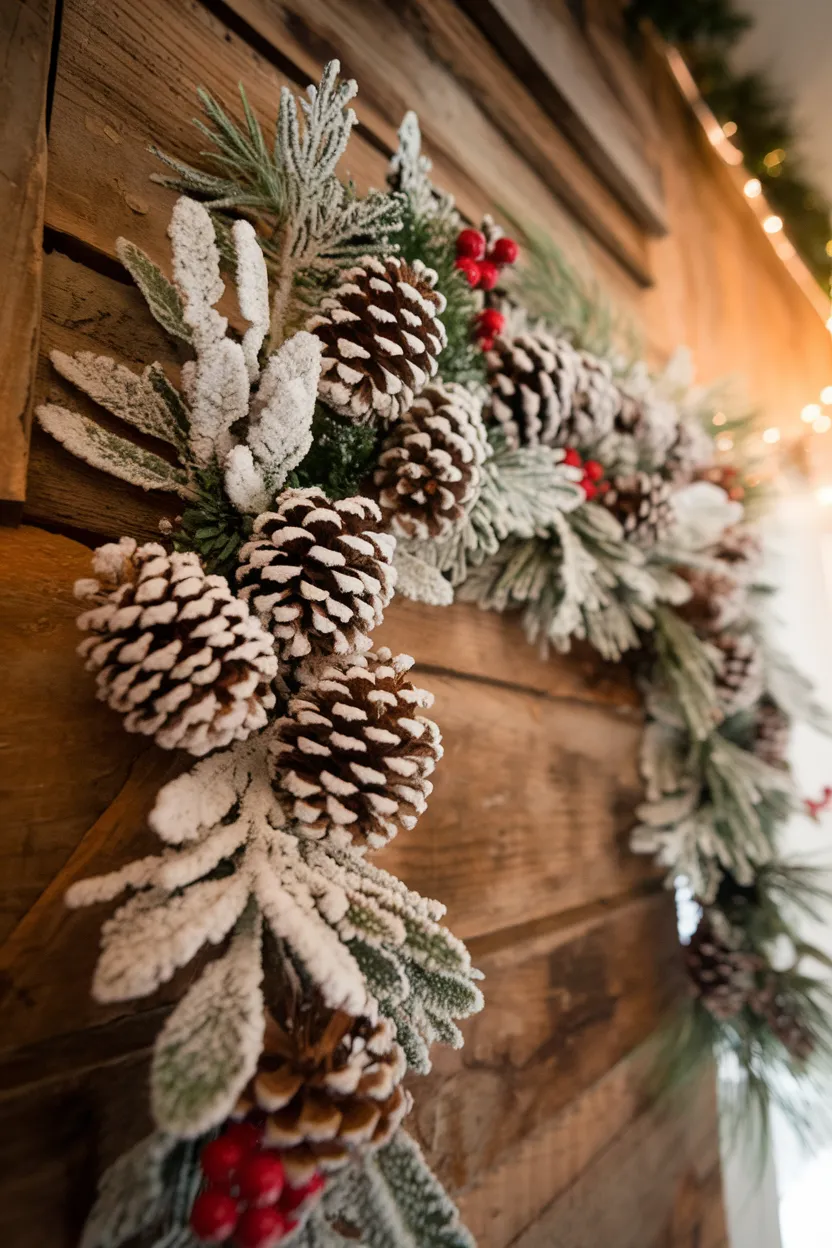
(776, 1005)
(771, 733)
(354, 753)
(329, 1086)
(429, 468)
(721, 976)
(742, 550)
(595, 407)
(641, 502)
(318, 573)
(176, 653)
(533, 380)
(381, 336)
(716, 599)
(740, 680)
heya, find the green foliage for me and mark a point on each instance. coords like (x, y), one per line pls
(341, 457)
(212, 527)
(432, 239)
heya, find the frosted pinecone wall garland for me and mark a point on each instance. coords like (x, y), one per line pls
(173, 650)
(382, 336)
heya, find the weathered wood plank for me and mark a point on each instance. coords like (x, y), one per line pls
(468, 102)
(25, 50)
(563, 1007)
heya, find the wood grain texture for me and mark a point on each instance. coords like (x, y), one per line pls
(25, 50)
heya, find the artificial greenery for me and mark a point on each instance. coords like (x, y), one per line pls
(341, 456)
(706, 31)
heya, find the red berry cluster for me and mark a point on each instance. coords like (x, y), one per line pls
(481, 267)
(247, 1194)
(487, 325)
(592, 482)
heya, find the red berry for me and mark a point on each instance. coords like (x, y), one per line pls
(504, 251)
(294, 1197)
(260, 1228)
(214, 1217)
(486, 343)
(572, 459)
(604, 487)
(470, 268)
(471, 243)
(247, 1134)
(593, 470)
(489, 274)
(490, 322)
(589, 489)
(220, 1158)
(261, 1179)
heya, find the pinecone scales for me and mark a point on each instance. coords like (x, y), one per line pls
(381, 336)
(318, 573)
(722, 977)
(329, 1086)
(174, 651)
(641, 502)
(741, 676)
(429, 468)
(353, 755)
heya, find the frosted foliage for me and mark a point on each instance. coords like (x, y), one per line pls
(419, 580)
(410, 174)
(131, 397)
(252, 292)
(280, 428)
(131, 1194)
(208, 1049)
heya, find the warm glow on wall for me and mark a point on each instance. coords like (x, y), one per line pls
(823, 424)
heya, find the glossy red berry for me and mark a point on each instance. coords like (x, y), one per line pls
(486, 343)
(490, 322)
(593, 469)
(489, 274)
(261, 1179)
(470, 268)
(471, 243)
(214, 1216)
(571, 458)
(589, 489)
(504, 251)
(246, 1134)
(295, 1197)
(220, 1159)
(260, 1228)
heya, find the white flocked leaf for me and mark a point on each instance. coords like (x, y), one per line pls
(252, 291)
(421, 581)
(130, 396)
(117, 456)
(131, 1194)
(208, 1048)
(162, 297)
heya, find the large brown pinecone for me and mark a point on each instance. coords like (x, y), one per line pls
(329, 1086)
(640, 501)
(771, 733)
(318, 573)
(741, 548)
(595, 407)
(534, 380)
(175, 652)
(354, 753)
(722, 977)
(716, 599)
(429, 468)
(381, 336)
(777, 1006)
(740, 680)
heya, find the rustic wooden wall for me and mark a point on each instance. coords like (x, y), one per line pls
(540, 1125)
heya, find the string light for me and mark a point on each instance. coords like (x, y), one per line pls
(752, 188)
(729, 129)
(829, 247)
(824, 496)
(773, 225)
(771, 435)
(822, 424)
(772, 160)
(826, 395)
(719, 418)
(810, 412)
(725, 442)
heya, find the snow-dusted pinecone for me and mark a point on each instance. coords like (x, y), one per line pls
(354, 753)
(329, 1086)
(740, 681)
(777, 1006)
(716, 599)
(722, 977)
(533, 380)
(381, 336)
(771, 733)
(641, 502)
(595, 406)
(429, 468)
(742, 550)
(176, 653)
(318, 573)
(652, 421)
